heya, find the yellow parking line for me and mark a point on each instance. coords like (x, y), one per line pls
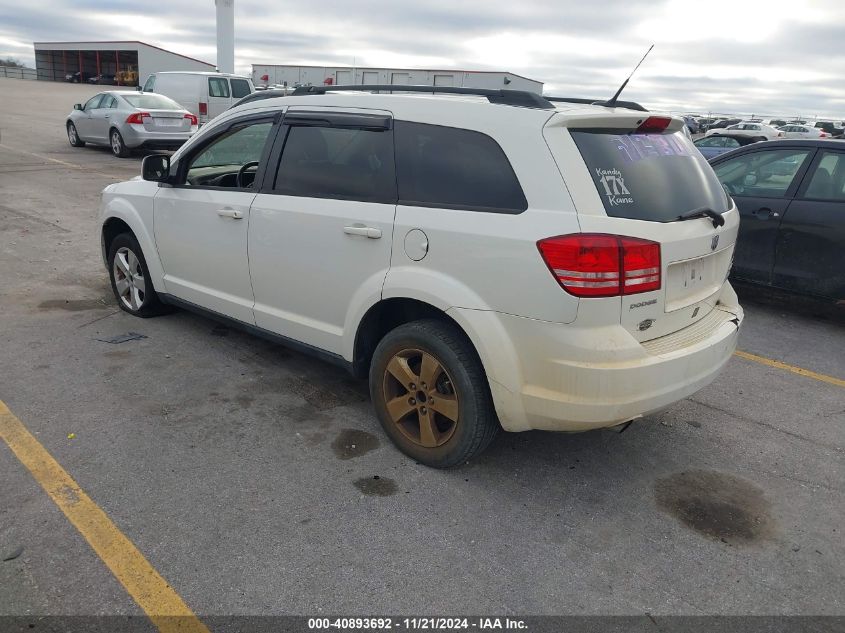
(795, 370)
(62, 162)
(167, 611)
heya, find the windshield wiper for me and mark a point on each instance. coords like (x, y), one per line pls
(704, 212)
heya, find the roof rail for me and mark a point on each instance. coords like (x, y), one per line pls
(270, 93)
(506, 97)
(630, 105)
(520, 98)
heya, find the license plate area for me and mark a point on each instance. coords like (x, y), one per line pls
(693, 280)
(162, 122)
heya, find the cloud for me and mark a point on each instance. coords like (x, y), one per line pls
(761, 56)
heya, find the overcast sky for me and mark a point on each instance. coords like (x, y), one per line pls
(745, 56)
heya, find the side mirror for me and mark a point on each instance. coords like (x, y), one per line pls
(155, 168)
(77, 106)
(139, 89)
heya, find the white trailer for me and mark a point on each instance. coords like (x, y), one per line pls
(289, 75)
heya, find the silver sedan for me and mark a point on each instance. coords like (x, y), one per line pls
(126, 120)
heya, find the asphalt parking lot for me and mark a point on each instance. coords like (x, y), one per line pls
(256, 480)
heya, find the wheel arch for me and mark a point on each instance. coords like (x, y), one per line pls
(384, 316)
(483, 331)
(119, 215)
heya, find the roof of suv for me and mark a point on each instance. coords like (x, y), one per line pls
(453, 110)
(518, 98)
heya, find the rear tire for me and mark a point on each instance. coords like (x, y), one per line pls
(130, 278)
(118, 147)
(73, 136)
(431, 394)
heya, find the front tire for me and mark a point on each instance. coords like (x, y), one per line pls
(130, 278)
(73, 136)
(431, 394)
(118, 147)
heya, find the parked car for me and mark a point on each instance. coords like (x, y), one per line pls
(77, 77)
(102, 79)
(833, 128)
(718, 144)
(791, 195)
(722, 123)
(758, 131)
(802, 131)
(480, 274)
(205, 94)
(692, 125)
(130, 120)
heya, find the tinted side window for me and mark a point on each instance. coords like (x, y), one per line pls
(345, 163)
(454, 168)
(828, 181)
(218, 87)
(766, 174)
(240, 88)
(150, 85)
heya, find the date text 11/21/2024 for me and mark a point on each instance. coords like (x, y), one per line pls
(416, 624)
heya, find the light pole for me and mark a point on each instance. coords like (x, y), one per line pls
(225, 35)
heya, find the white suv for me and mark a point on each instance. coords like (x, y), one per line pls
(488, 261)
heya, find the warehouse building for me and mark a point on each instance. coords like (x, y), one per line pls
(121, 63)
(276, 74)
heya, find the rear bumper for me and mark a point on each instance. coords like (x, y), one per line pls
(576, 379)
(136, 139)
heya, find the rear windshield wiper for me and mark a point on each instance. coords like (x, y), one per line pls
(704, 212)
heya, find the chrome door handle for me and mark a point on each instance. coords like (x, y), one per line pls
(230, 213)
(107, 115)
(366, 231)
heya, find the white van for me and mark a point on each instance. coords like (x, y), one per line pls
(205, 94)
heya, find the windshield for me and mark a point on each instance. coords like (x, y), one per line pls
(654, 177)
(152, 102)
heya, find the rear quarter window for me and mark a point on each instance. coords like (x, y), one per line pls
(653, 177)
(454, 168)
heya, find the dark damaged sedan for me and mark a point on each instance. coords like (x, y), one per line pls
(791, 197)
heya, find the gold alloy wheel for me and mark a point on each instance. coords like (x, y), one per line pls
(420, 398)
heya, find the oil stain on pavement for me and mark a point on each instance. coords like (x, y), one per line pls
(351, 443)
(376, 486)
(717, 505)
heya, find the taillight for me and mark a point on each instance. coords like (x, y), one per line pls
(599, 265)
(203, 108)
(654, 124)
(191, 118)
(137, 117)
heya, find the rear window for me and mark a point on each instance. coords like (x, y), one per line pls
(654, 177)
(152, 102)
(240, 88)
